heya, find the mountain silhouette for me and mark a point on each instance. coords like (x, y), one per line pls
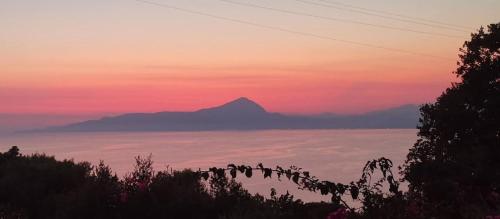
(239, 107)
(244, 114)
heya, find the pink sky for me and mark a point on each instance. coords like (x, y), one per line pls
(94, 57)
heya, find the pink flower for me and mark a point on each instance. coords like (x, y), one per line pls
(340, 213)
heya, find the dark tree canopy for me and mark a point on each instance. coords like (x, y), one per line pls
(454, 167)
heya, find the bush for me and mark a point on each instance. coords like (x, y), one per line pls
(39, 186)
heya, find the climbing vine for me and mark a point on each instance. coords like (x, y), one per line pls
(364, 187)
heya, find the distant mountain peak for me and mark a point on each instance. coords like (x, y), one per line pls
(242, 100)
(245, 114)
(241, 105)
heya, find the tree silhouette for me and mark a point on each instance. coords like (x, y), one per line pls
(454, 167)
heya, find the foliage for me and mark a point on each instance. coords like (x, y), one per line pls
(38, 186)
(337, 191)
(454, 167)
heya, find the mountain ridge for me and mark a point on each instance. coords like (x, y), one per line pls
(243, 114)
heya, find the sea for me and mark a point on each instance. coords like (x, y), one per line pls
(337, 155)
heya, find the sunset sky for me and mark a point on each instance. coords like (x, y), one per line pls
(117, 56)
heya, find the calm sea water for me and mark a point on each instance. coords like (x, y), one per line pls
(337, 155)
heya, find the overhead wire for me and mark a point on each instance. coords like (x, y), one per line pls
(394, 14)
(338, 19)
(290, 30)
(382, 16)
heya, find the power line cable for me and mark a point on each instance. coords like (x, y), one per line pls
(395, 14)
(381, 16)
(291, 31)
(338, 19)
